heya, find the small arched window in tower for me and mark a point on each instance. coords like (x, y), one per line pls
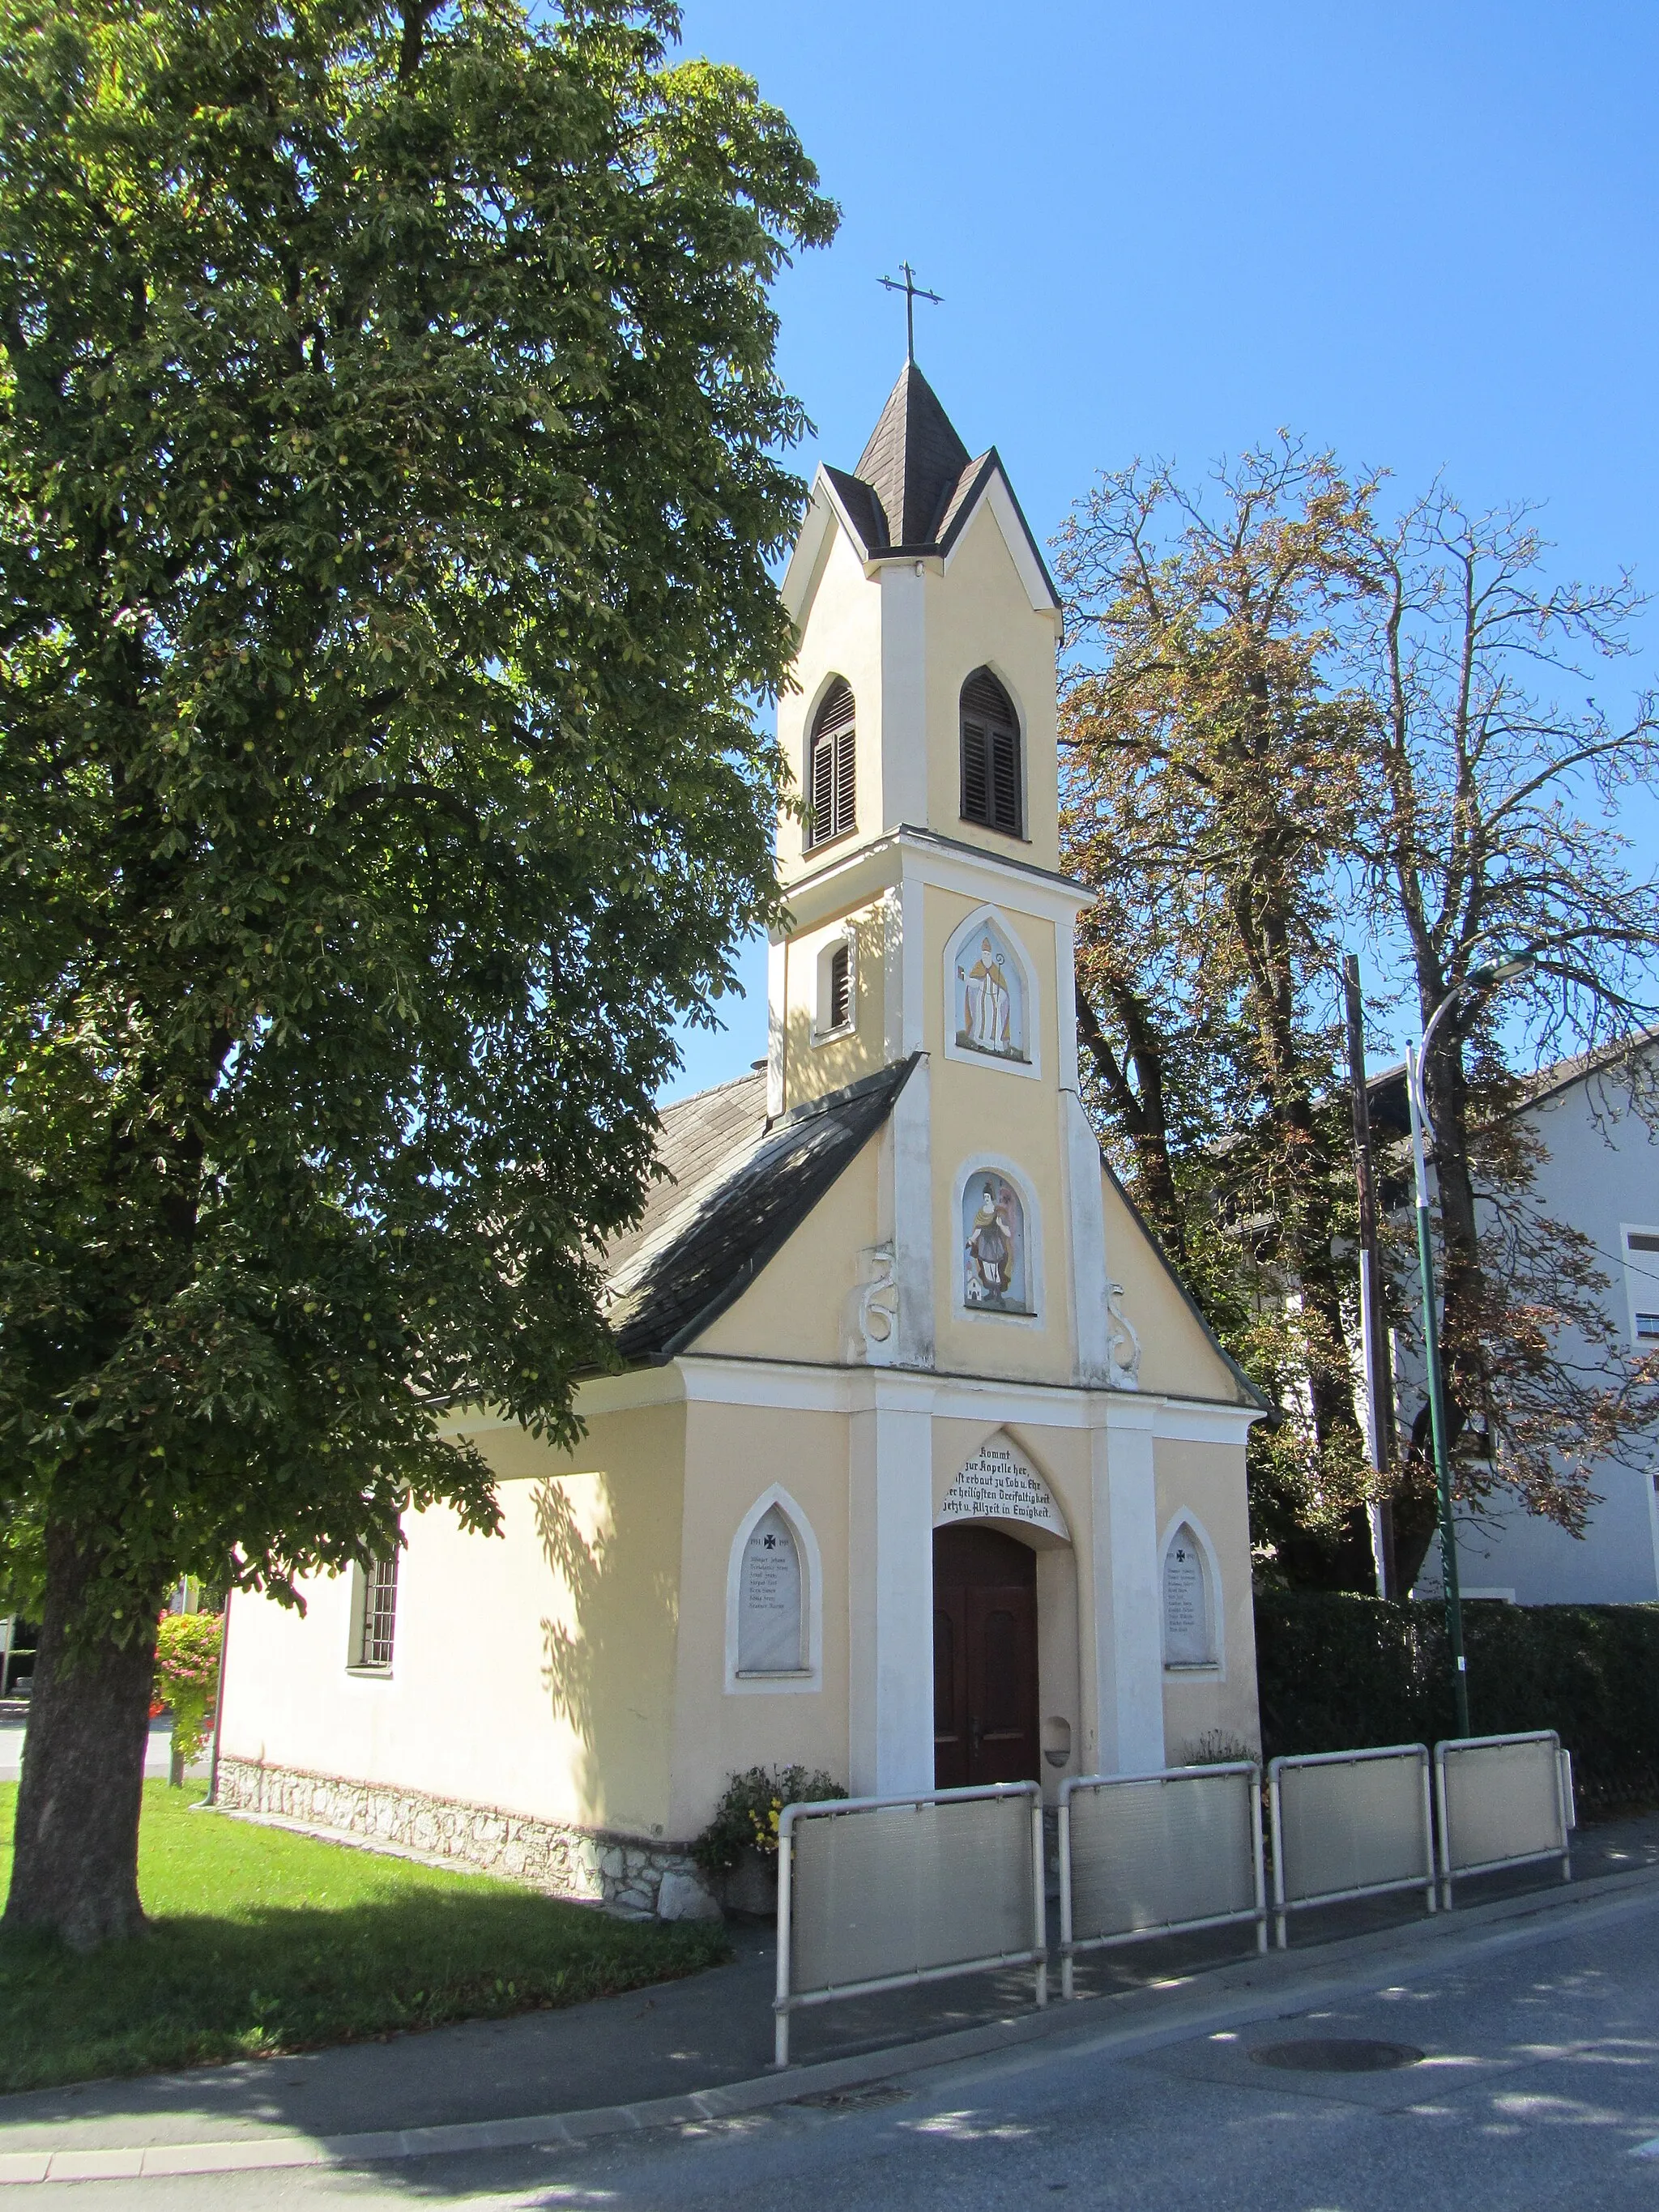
(833, 1014)
(991, 779)
(840, 986)
(833, 767)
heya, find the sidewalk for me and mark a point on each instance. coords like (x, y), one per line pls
(713, 2034)
(14, 1727)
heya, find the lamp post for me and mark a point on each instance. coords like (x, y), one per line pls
(1477, 979)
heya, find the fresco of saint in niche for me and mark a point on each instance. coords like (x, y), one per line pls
(990, 997)
(994, 1247)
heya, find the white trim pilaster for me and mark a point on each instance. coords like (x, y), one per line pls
(890, 1596)
(1086, 1217)
(1128, 1654)
(903, 694)
(777, 1021)
(910, 1161)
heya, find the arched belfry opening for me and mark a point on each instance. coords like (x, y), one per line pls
(993, 770)
(832, 766)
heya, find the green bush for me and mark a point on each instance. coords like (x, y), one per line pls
(1339, 1673)
(746, 1818)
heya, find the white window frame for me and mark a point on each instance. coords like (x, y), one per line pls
(805, 1679)
(998, 1163)
(1031, 1065)
(823, 1031)
(1639, 1286)
(355, 1663)
(1184, 1670)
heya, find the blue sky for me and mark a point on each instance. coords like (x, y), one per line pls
(1423, 235)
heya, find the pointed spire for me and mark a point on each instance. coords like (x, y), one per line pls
(913, 461)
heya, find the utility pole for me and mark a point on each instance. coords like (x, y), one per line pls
(1373, 1319)
(1436, 1382)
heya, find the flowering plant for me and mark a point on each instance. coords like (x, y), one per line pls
(187, 1648)
(746, 1819)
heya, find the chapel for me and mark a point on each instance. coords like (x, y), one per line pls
(923, 1469)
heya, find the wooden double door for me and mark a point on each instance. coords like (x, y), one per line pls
(985, 1658)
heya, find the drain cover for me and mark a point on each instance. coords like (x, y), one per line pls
(845, 2100)
(1337, 2054)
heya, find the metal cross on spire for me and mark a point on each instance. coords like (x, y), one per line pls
(912, 292)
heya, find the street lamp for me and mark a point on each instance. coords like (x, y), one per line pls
(1477, 979)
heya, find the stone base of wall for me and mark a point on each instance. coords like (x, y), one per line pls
(618, 1872)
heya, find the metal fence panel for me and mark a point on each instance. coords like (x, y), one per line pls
(875, 1893)
(1501, 1803)
(1350, 1824)
(1149, 1852)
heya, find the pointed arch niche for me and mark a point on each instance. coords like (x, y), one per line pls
(774, 1600)
(992, 1005)
(998, 1270)
(1189, 1599)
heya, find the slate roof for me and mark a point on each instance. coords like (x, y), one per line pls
(740, 1190)
(914, 460)
(916, 484)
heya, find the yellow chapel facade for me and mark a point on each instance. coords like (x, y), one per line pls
(923, 1469)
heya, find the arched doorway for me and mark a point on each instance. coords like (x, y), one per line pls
(985, 1658)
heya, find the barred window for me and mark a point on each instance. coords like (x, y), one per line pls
(379, 1612)
(991, 779)
(833, 767)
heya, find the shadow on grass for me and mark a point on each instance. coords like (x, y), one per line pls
(200, 1988)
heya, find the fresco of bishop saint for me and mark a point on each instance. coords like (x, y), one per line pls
(987, 1003)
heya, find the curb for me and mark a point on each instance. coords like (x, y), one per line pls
(1220, 1994)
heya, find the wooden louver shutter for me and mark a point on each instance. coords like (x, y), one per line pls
(975, 773)
(1004, 780)
(990, 756)
(834, 770)
(840, 995)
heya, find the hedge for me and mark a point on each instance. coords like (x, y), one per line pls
(1339, 1673)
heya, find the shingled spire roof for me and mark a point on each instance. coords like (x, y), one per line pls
(916, 485)
(913, 461)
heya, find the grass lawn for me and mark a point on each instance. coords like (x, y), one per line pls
(264, 1942)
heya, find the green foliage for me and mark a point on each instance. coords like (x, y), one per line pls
(746, 1818)
(187, 1649)
(1339, 1673)
(388, 427)
(262, 1942)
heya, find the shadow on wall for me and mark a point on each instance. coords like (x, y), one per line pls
(608, 1645)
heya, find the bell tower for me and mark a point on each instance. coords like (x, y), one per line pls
(928, 915)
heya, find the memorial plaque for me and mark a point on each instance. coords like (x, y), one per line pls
(999, 1484)
(770, 1640)
(1186, 1604)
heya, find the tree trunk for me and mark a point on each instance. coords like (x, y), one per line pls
(76, 1863)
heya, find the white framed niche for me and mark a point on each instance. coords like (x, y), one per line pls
(1191, 1616)
(976, 1191)
(774, 1611)
(993, 998)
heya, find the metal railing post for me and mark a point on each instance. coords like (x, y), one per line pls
(1067, 1977)
(781, 2001)
(1445, 1832)
(1261, 1872)
(1040, 1902)
(1281, 1932)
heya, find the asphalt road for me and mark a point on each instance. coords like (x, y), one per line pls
(1538, 2084)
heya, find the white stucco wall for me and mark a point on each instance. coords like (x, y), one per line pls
(1599, 1173)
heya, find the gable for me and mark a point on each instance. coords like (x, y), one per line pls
(704, 1243)
(1179, 1356)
